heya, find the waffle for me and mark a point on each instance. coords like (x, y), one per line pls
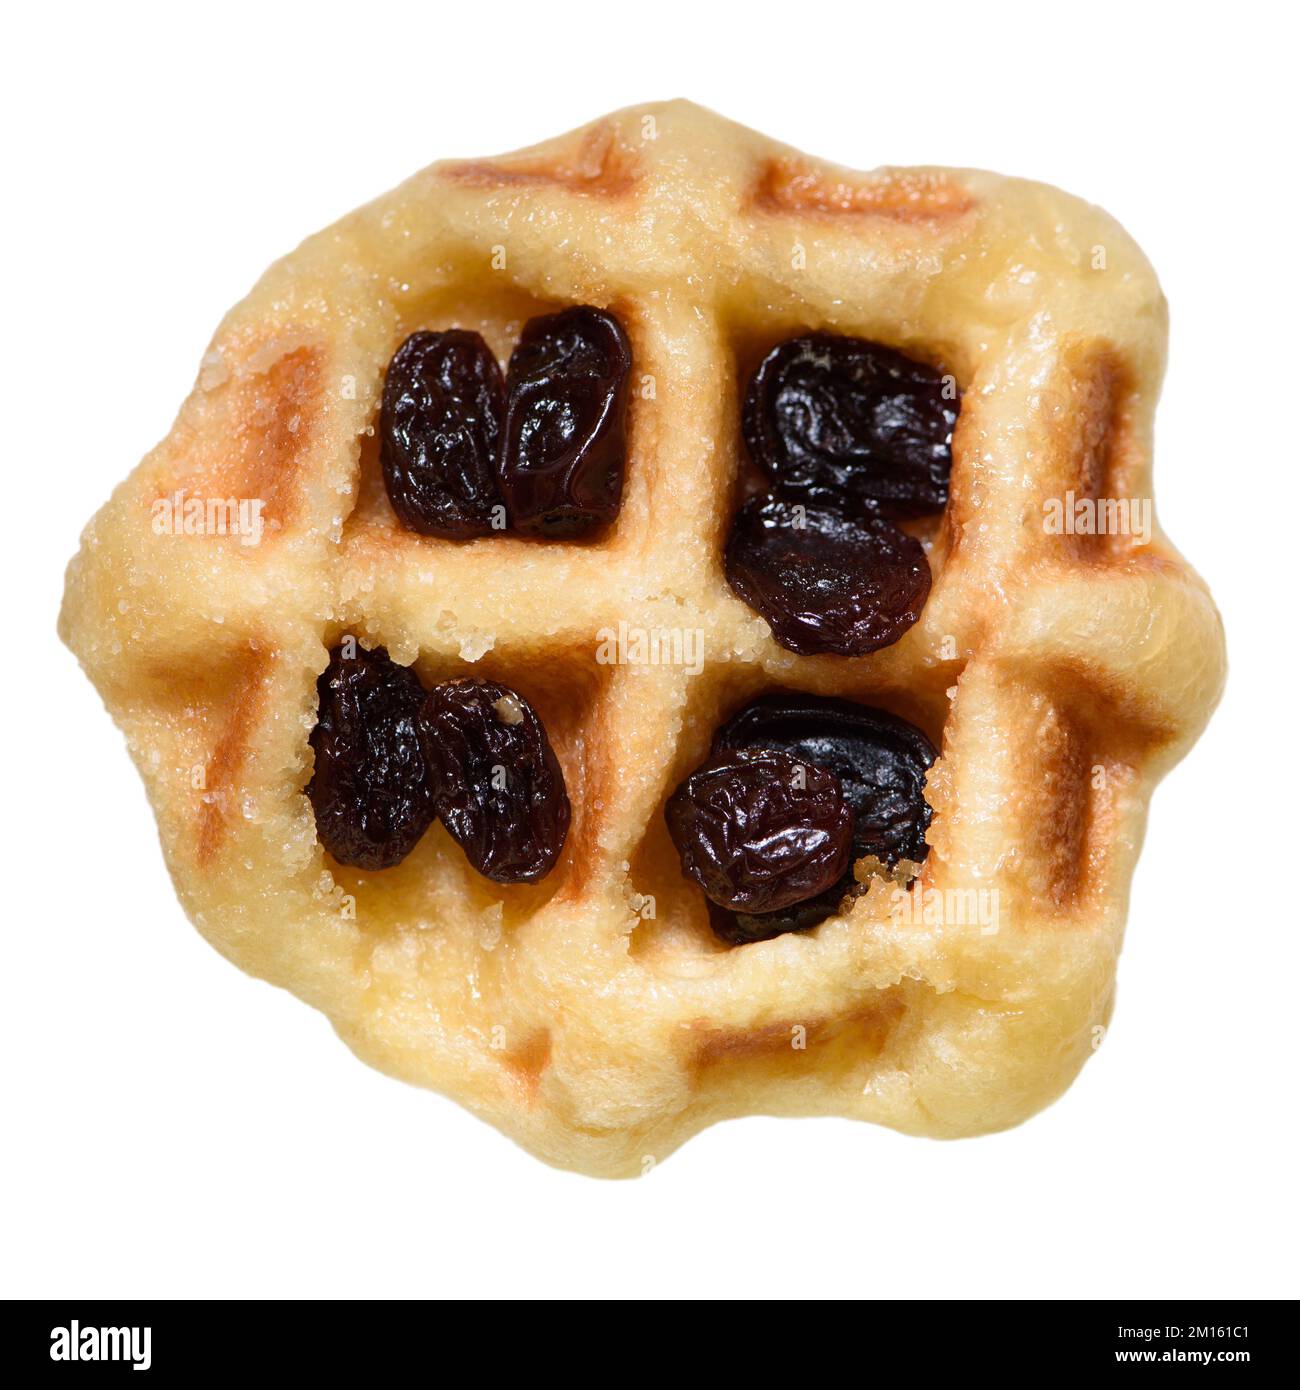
(594, 1016)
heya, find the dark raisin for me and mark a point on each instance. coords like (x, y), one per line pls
(881, 762)
(370, 788)
(561, 470)
(826, 582)
(760, 830)
(738, 928)
(440, 432)
(847, 424)
(497, 785)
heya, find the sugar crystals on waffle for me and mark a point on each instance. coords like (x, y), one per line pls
(523, 433)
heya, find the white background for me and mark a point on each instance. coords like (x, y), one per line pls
(174, 1128)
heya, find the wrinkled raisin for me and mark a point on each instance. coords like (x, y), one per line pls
(848, 424)
(881, 762)
(561, 470)
(497, 785)
(370, 787)
(826, 582)
(760, 830)
(440, 432)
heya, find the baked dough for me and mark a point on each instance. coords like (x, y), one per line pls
(593, 1016)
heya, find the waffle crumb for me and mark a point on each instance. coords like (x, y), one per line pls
(508, 710)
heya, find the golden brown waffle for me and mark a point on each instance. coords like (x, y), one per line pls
(593, 1016)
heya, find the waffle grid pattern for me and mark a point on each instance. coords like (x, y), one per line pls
(593, 1016)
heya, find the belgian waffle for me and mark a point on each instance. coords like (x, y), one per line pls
(594, 1016)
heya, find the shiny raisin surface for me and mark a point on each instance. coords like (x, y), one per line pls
(881, 762)
(497, 785)
(561, 471)
(370, 787)
(440, 433)
(826, 583)
(760, 830)
(846, 423)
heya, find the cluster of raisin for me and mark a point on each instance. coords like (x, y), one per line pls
(464, 448)
(392, 757)
(795, 790)
(852, 437)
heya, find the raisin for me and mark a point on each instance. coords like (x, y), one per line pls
(848, 424)
(561, 470)
(881, 762)
(440, 432)
(370, 787)
(760, 830)
(739, 928)
(826, 583)
(497, 785)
